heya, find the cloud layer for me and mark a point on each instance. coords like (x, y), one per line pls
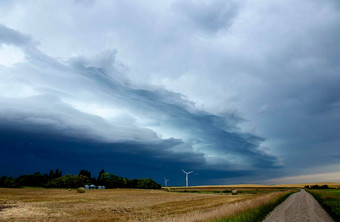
(89, 98)
(246, 87)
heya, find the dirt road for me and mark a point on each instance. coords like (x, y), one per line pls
(300, 207)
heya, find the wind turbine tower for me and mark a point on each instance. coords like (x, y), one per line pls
(166, 182)
(186, 176)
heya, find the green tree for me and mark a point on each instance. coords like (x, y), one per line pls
(85, 173)
(7, 182)
(68, 181)
(100, 175)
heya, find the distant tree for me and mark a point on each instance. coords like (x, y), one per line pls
(109, 180)
(68, 181)
(34, 180)
(55, 179)
(85, 173)
(132, 183)
(7, 182)
(100, 175)
(148, 183)
(57, 173)
(319, 187)
(113, 181)
(51, 174)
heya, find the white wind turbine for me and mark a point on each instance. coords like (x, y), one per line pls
(186, 176)
(166, 182)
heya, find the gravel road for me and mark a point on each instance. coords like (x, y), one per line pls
(300, 207)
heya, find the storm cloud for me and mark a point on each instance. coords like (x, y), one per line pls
(240, 91)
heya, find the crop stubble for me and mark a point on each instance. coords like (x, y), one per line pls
(120, 205)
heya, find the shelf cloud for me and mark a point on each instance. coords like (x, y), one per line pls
(237, 91)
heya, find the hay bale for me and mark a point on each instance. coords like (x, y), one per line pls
(234, 192)
(80, 190)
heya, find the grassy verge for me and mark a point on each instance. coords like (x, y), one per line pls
(257, 213)
(329, 200)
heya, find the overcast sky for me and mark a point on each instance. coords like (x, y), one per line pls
(237, 91)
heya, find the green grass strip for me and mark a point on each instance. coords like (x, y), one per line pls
(329, 200)
(255, 214)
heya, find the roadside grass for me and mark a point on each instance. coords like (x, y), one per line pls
(329, 200)
(258, 213)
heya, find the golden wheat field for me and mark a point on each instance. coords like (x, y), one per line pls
(122, 205)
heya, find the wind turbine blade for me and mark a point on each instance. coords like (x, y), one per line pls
(184, 171)
(190, 172)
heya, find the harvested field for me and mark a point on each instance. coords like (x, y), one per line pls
(121, 205)
(227, 189)
(254, 186)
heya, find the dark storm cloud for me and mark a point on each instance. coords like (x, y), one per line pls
(242, 86)
(25, 152)
(88, 100)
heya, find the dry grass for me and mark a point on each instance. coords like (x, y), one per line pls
(229, 209)
(120, 205)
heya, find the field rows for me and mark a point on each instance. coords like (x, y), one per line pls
(121, 205)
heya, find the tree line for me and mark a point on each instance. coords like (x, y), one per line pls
(55, 179)
(317, 187)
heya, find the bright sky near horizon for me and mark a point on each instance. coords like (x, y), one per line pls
(237, 91)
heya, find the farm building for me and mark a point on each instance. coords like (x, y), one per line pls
(92, 186)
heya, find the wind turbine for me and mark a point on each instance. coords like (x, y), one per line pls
(166, 182)
(186, 176)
